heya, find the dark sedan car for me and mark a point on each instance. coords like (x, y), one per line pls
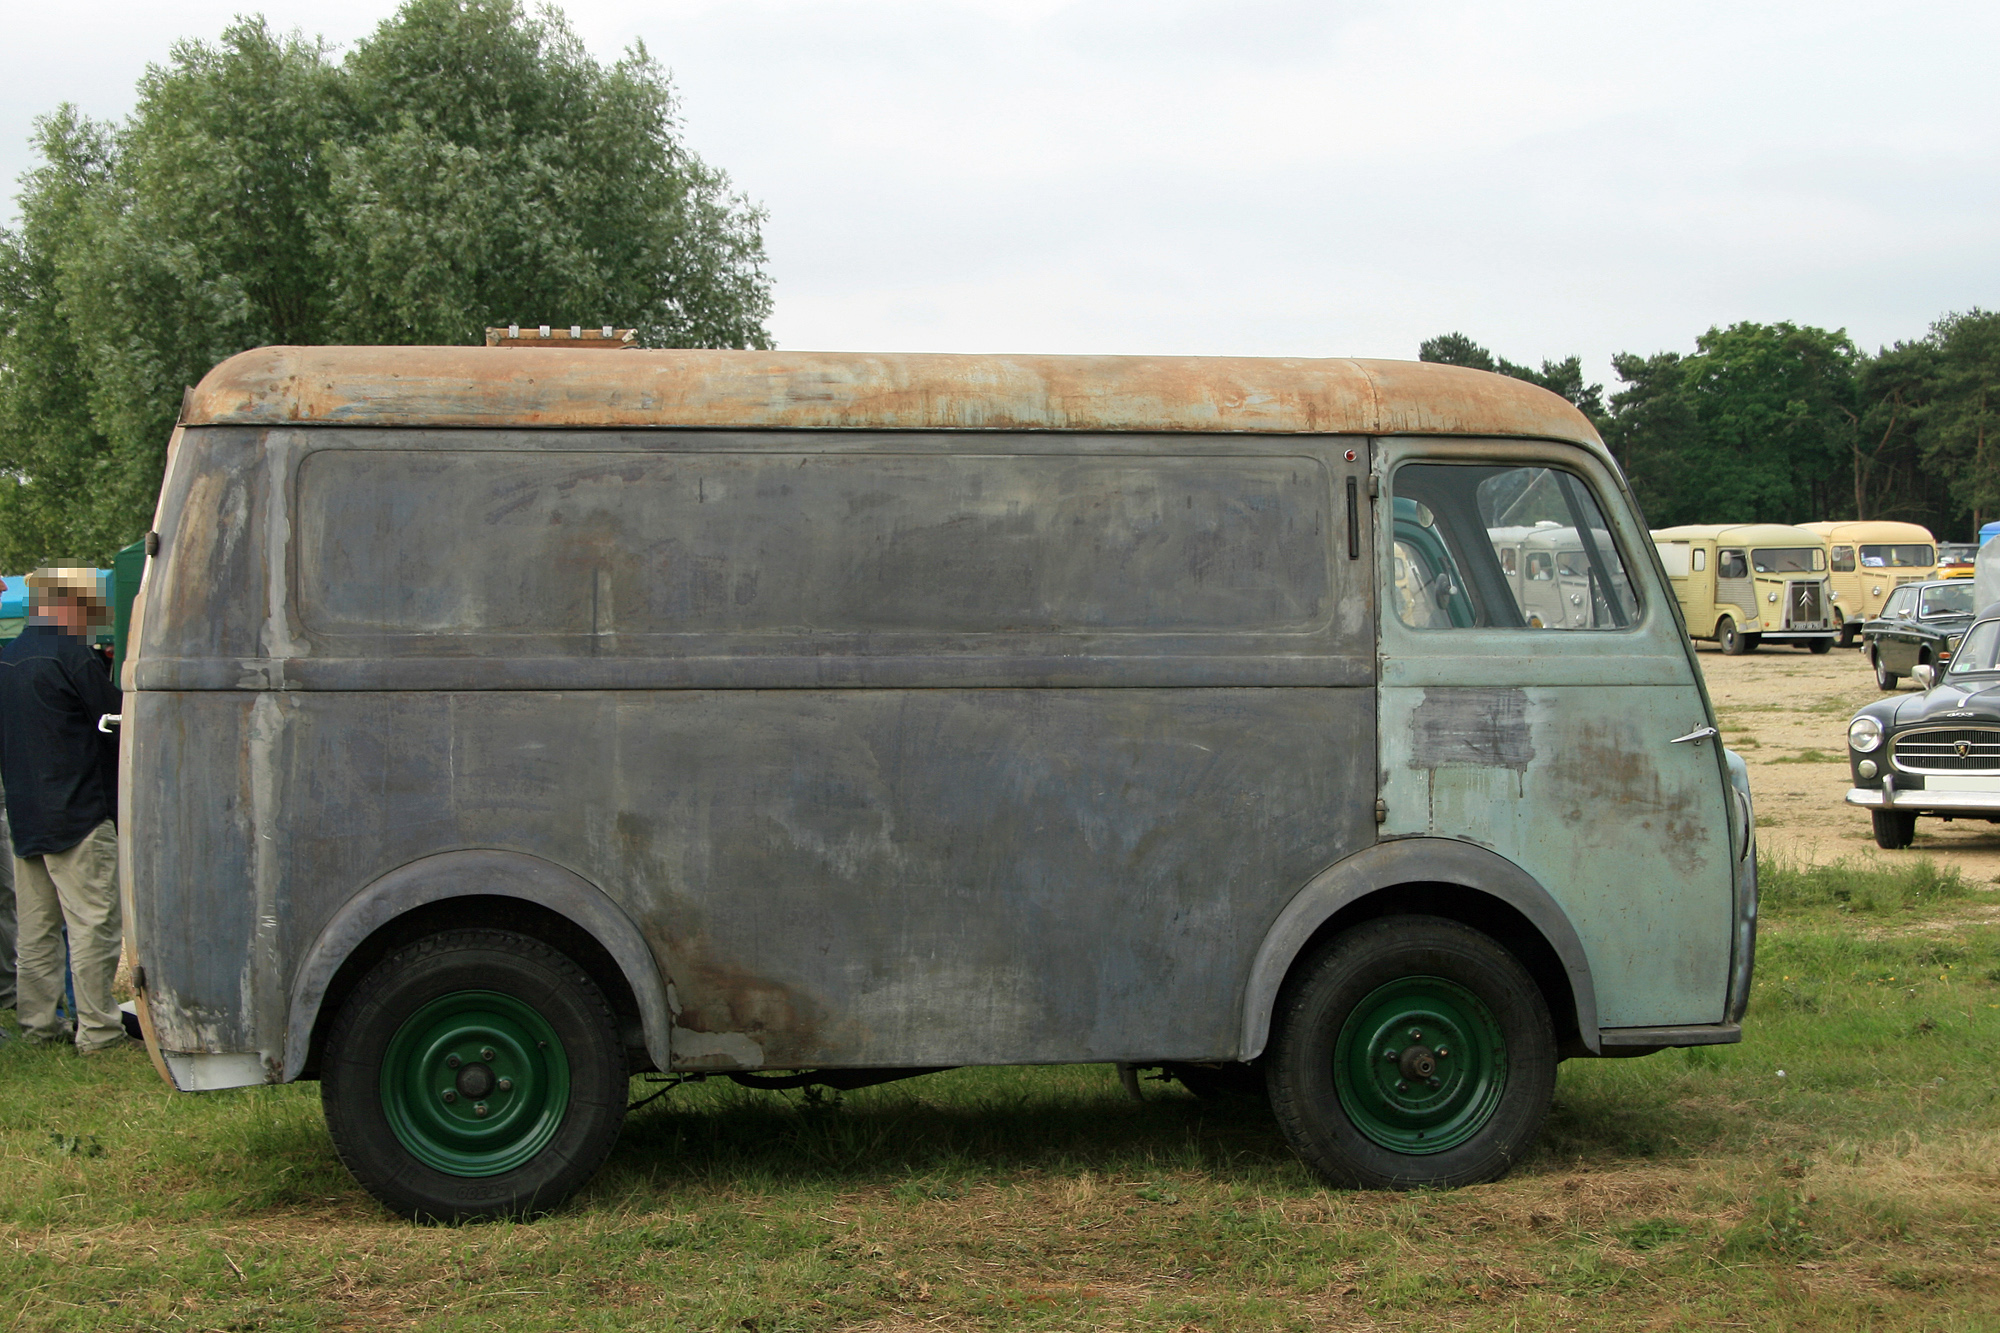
(1920, 625)
(1935, 753)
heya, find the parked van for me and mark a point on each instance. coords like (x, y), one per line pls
(1550, 576)
(1867, 561)
(504, 723)
(1746, 584)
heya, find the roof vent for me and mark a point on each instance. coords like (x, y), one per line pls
(575, 335)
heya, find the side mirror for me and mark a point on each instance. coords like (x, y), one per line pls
(1925, 674)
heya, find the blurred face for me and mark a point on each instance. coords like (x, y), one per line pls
(71, 614)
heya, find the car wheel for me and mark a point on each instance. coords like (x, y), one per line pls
(1894, 829)
(1846, 639)
(1411, 1052)
(1884, 678)
(474, 1074)
(1820, 647)
(1731, 641)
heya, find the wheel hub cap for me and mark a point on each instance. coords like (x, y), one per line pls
(1420, 1065)
(475, 1083)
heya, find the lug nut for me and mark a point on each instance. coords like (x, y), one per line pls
(1416, 1034)
(479, 1108)
(1436, 1084)
(505, 1085)
(450, 1095)
(486, 1052)
(1443, 1051)
(1402, 1086)
(1390, 1056)
(452, 1062)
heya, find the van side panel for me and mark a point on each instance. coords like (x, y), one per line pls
(1055, 826)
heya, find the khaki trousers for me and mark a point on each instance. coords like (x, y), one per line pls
(77, 888)
(6, 910)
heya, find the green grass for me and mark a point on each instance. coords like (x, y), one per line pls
(1689, 1189)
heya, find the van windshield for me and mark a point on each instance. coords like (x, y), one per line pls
(1897, 557)
(1788, 559)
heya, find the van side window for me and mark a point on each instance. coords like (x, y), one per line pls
(1843, 559)
(1700, 559)
(1731, 565)
(1453, 521)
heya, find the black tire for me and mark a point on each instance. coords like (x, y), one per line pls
(548, 1144)
(1846, 639)
(1219, 1082)
(1323, 1019)
(1894, 829)
(1752, 642)
(1819, 647)
(1732, 643)
(1884, 679)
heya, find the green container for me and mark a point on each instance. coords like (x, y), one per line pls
(127, 568)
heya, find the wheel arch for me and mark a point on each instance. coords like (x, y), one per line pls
(478, 887)
(1438, 876)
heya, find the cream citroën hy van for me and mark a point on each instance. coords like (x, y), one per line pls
(1746, 584)
(502, 723)
(1868, 560)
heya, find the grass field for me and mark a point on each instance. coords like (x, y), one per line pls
(1858, 1188)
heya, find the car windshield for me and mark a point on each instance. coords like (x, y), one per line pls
(1788, 559)
(1953, 599)
(1896, 557)
(1976, 653)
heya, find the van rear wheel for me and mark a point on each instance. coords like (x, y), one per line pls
(474, 1074)
(1412, 1052)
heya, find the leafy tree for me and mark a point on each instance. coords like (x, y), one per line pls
(466, 165)
(1564, 378)
(1652, 428)
(1963, 436)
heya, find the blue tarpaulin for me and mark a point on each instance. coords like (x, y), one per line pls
(14, 601)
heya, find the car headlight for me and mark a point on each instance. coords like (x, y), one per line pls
(1951, 644)
(1864, 734)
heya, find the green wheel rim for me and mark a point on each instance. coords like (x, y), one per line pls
(475, 1083)
(1420, 1065)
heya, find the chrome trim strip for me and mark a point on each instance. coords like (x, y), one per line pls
(1920, 801)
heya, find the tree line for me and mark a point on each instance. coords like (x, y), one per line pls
(1782, 423)
(467, 165)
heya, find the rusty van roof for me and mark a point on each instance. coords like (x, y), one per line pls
(468, 386)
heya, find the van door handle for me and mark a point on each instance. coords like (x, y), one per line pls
(1698, 735)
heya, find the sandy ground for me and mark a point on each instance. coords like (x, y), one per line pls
(1786, 712)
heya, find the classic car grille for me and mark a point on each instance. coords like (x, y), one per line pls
(1953, 750)
(1802, 605)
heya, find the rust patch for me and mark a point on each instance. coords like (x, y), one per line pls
(1483, 728)
(463, 386)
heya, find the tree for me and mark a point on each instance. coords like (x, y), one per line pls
(466, 165)
(1564, 378)
(1963, 435)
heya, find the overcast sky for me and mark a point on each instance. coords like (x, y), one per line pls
(1278, 178)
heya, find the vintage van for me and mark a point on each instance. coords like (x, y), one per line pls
(1550, 576)
(1746, 584)
(1866, 561)
(503, 723)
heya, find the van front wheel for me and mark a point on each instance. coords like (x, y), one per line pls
(474, 1074)
(1411, 1052)
(1732, 642)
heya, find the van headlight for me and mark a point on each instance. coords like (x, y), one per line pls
(1864, 734)
(1770, 597)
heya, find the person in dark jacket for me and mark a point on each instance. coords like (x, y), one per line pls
(60, 772)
